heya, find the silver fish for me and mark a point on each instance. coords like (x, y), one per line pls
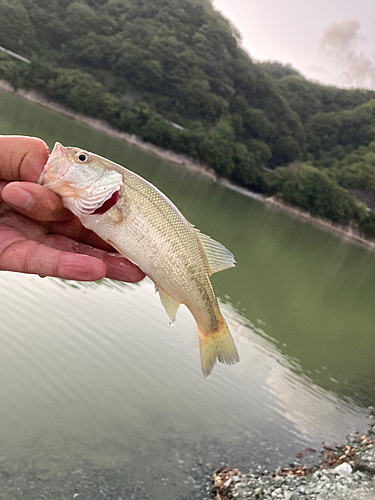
(142, 224)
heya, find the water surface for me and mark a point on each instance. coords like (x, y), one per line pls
(93, 377)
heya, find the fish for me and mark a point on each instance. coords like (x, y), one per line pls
(143, 225)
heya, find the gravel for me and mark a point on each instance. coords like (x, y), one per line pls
(344, 473)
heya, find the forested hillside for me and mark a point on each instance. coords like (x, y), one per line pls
(339, 133)
(146, 66)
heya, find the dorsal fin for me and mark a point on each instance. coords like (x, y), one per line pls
(219, 257)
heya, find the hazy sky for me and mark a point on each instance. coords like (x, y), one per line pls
(332, 41)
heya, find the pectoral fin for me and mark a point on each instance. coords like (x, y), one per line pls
(170, 304)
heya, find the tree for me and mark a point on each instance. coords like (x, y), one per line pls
(77, 89)
(286, 150)
(312, 190)
(260, 150)
(278, 70)
(157, 131)
(17, 33)
(218, 147)
(247, 170)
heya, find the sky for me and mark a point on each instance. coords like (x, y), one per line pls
(330, 41)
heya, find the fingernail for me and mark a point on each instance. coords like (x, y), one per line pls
(19, 198)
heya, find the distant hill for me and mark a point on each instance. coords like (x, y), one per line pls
(144, 66)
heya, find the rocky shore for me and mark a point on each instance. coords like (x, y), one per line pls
(344, 473)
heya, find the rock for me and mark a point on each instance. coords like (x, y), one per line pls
(344, 469)
(228, 482)
(290, 495)
(339, 482)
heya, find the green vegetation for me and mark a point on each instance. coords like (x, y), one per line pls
(314, 190)
(146, 66)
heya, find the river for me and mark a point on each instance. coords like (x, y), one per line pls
(98, 391)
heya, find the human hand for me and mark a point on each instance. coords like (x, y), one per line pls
(37, 234)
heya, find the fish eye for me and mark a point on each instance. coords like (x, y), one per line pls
(82, 157)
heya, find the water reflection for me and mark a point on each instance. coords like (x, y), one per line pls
(96, 361)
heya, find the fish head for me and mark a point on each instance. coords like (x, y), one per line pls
(83, 180)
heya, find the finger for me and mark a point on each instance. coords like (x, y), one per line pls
(35, 201)
(2, 186)
(3, 205)
(118, 267)
(121, 269)
(22, 158)
(31, 257)
(73, 229)
(37, 231)
(15, 228)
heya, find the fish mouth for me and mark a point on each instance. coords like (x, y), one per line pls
(57, 164)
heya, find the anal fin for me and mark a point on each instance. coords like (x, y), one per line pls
(170, 304)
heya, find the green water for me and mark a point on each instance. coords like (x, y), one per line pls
(94, 373)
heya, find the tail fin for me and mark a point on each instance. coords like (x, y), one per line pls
(217, 345)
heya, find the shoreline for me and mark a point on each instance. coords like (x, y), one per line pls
(348, 234)
(341, 473)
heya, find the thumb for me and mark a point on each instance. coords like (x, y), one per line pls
(35, 201)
